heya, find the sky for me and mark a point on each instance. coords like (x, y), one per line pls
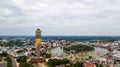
(60, 17)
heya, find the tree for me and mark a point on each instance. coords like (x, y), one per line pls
(33, 49)
(42, 53)
(78, 64)
(4, 54)
(55, 62)
(0, 59)
(9, 62)
(23, 64)
(22, 59)
(48, 55)
(78, 48)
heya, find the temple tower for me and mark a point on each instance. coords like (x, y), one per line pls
(38, 42)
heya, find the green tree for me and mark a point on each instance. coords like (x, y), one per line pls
(22, 59)
(4, 54)
(23, 64)
(78, 64)
(9, 62)
(48, 55)
(55, 62)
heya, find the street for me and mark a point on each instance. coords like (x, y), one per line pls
(3, 64)
(14, 62)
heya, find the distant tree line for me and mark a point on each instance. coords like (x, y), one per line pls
(79, 48)
(64, 63)
(55, 62)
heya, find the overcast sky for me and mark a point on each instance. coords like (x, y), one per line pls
(60, 17)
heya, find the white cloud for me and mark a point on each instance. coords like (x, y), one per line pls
(5, 11)
(87, 16)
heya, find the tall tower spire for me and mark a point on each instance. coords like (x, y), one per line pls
(38, 42)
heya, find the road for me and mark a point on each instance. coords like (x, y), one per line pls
(42, 65)
(14, 62)
(3, 64)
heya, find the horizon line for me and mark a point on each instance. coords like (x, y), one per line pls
(63, 35)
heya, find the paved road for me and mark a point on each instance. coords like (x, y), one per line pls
(41, 65)
(14, 63)
(3, 64)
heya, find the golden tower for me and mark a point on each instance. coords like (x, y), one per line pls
(38, 42)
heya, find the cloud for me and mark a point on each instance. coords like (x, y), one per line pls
(80, 16)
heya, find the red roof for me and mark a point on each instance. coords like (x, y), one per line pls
(38, 59)
(89, 64)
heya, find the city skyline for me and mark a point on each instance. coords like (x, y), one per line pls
(64, 17)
